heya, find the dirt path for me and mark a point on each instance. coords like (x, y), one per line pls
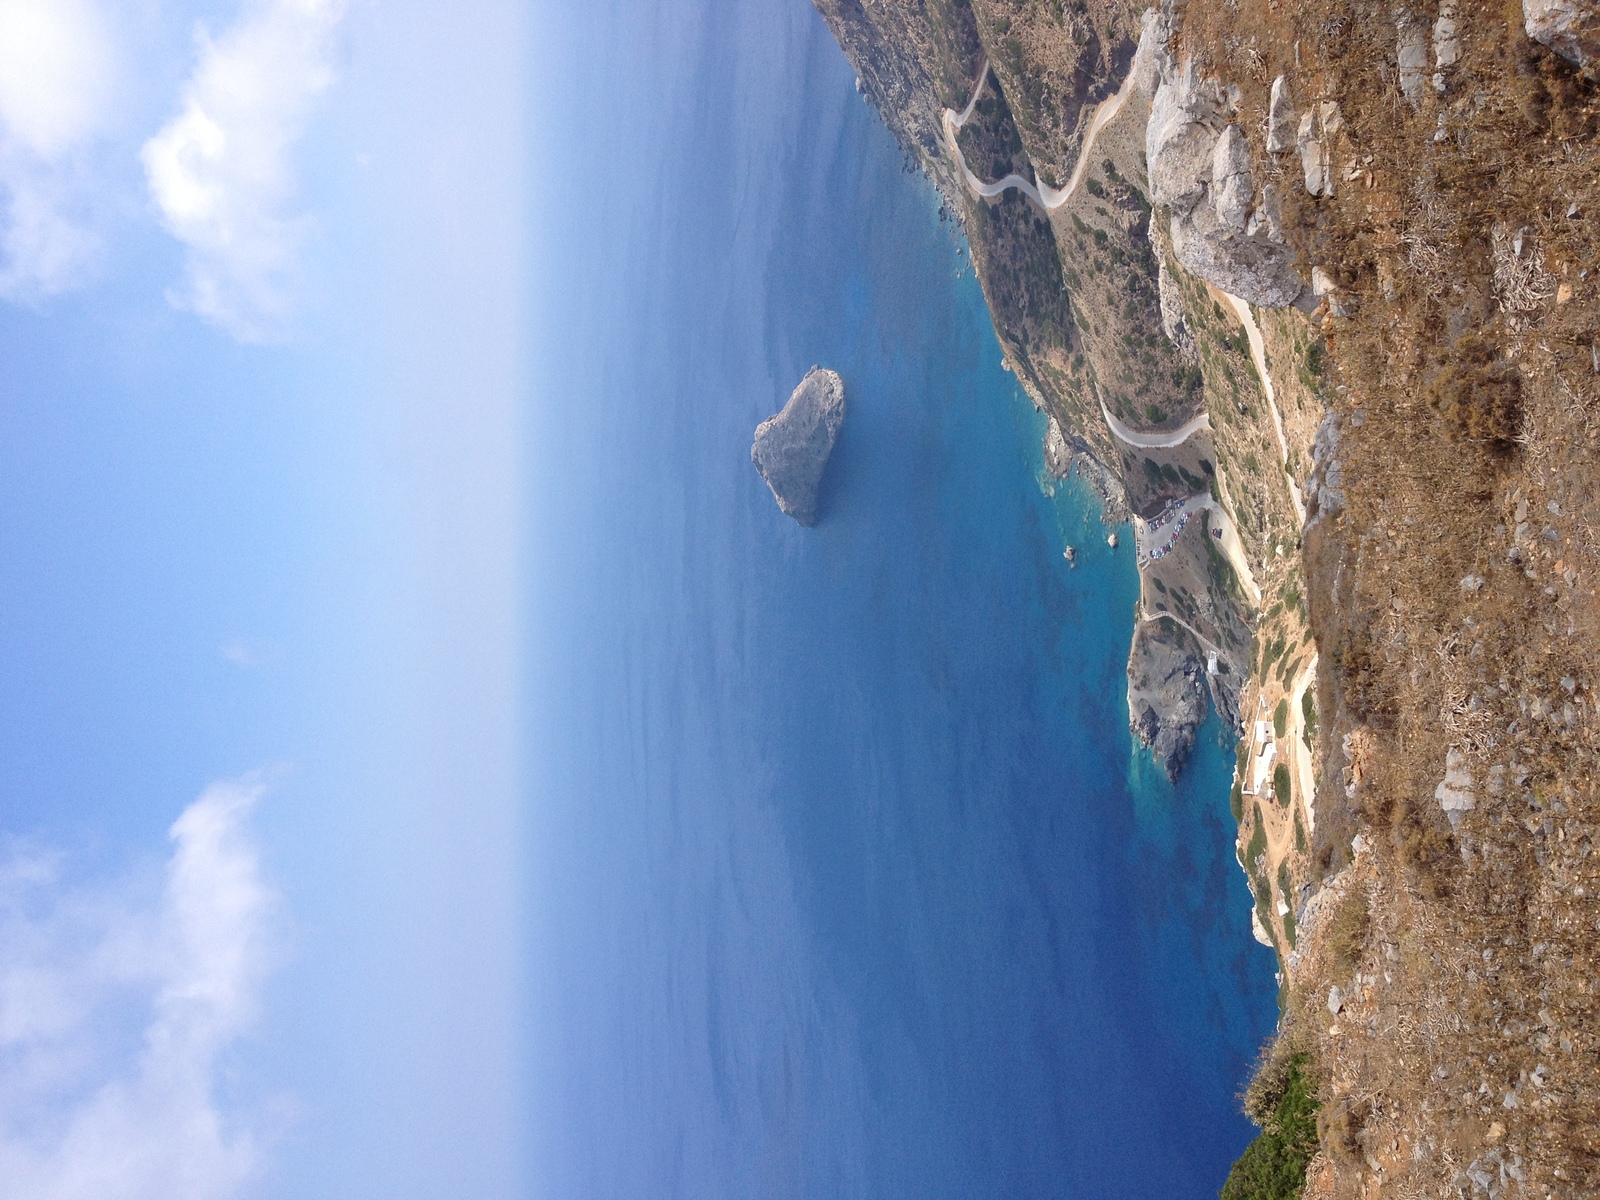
(1206, 643)
(1305, 778)
(1258, 354)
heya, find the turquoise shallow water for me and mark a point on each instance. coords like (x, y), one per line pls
(849, 880)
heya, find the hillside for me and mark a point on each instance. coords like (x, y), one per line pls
(1306, 290)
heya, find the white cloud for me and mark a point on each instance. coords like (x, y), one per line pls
(117, 1010)
(246, 656)
(56, 68)
(221, 170)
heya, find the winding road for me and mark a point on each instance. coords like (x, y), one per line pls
(1050, 198)
(1158, 440)
(1042, 194)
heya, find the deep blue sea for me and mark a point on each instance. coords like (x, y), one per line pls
(848, 878)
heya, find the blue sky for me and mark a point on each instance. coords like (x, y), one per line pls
(263, 274)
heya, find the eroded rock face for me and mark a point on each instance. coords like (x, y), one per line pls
(1569, 27)
(792, 447)
(1200, 170)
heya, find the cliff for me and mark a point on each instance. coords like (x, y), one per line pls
(1307, 289)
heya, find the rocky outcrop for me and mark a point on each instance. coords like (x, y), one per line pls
(1166, 694)
(1569, 27)
(1200, 170)
(792, 447)
(1280, 118)
(1411, 56)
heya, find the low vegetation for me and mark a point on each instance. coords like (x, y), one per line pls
(1282, 1100)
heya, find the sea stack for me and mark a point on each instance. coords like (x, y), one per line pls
(792, 448)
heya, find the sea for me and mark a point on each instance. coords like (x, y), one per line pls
(848, 879)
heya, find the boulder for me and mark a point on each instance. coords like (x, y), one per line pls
(792, 447)
(1253, 268)
(1569, 27)
(1267, 217)
(1180, 141)
(1151, 57)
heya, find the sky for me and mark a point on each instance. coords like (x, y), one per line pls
(261, 283)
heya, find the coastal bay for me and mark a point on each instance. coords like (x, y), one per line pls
(853, 882)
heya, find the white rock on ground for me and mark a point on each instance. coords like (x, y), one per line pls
(1455, 793)
(1446, 44)
(1230, 178)
(1313, 157)
(1411, 52)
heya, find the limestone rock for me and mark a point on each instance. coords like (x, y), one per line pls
(1280, 118)
(1200, 170)
(1230, 178)
(1253, 268)
(1411, 54)
(1569, 27)
(1180, 140)
(1266, 218)
(1446, 44)
(1313, 157)
(792, 447)
(1455, 794)
(1151, 58)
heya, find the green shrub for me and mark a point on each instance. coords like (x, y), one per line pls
(1280, 717)
(1308, 709)
(1236, 802)
(1280, 784)
(1273, 1167)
